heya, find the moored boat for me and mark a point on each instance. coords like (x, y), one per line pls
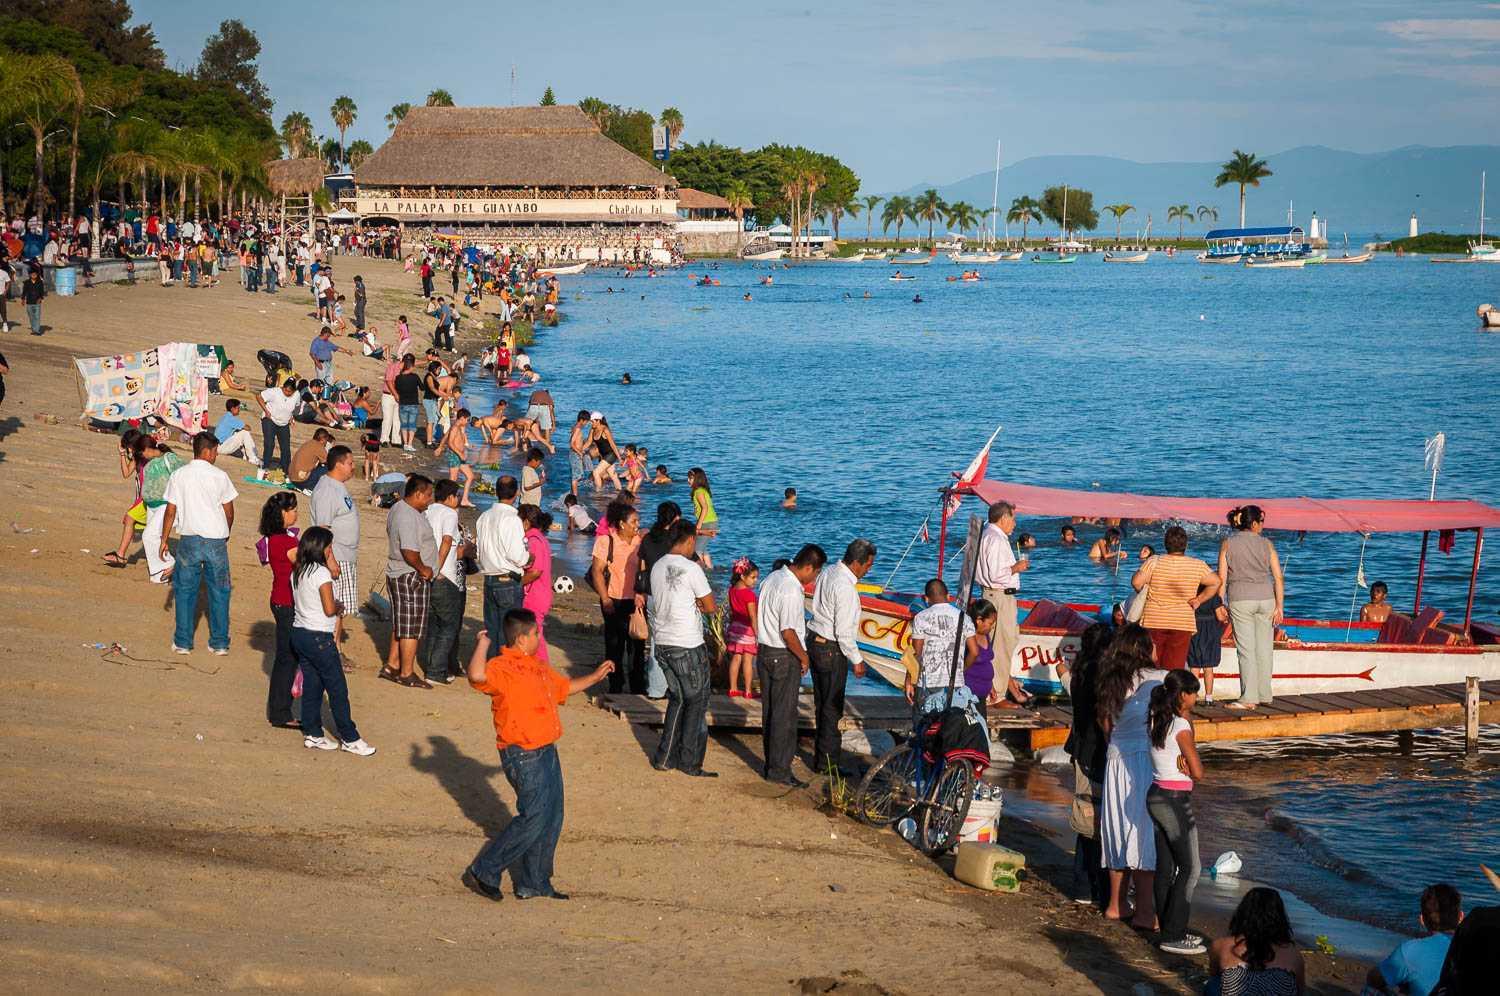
(1275, 262)
(563, 271)
(1054, 257)
(974, 257)
(923, 261)
(1353, 259)
(1011, 257)
(1126, 257)
(1489, 316)
(1310, 655)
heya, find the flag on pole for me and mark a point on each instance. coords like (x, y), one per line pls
(1433, 459)
(977, 467)
(924, 535)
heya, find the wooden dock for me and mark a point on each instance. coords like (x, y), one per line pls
(1385, 710)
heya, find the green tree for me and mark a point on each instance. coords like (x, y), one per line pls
(40, 91)
(597, 110)
(1180, 213)
(1070, 209)
(1024, 211)
(960, 217)
(898, 211)
(548, 98)
(928, 206)
(331, 151)
(1247, 171)
(359, 149)
(229, 57)
(837, 210)
(738, 196)
(440, 98)
(396, 114)
(1208, 213)
(671, 119)
(1119, 211)
(296, 134)
(870, 201)
(343, 112)
(101, 24)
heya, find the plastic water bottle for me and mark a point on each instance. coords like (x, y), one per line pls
(907, 828)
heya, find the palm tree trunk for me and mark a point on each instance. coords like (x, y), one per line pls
(163, 211)
(739, 231)
(869, 220)
(41, 182)
(73, 161)
(1242, 205)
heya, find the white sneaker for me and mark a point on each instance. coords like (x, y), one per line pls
(219, 651)
(321, 743)
(1189, 945)
(180, 650)
(358, 747)
(260, 473)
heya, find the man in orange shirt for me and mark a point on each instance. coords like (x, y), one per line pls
(525, 694)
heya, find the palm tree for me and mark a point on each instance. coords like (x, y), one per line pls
(813, 178)
(851, 206)
(39, 90)
(440, 98)
(870, 201)
(597, 110)
(343, 112)
(1119, 211)
(1211, 213)
(898, 211)
(738, 196)
(1179, 213)
(296, 134)
(1023, 211)
(671, 119)
(359, 149)
(928, 207)
(396, 114)
(960, 216)
(1245, 170)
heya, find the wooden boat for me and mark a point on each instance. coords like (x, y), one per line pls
(764, 254)
(1223, 259)
(858, 257)
(925, 260)
(1314, 258)
(1310, 656)
(1347, 258)
(563, 271)
(974, 257)
(1275, 262)
(1126, 257)
(1053, 258)
(1011, 257)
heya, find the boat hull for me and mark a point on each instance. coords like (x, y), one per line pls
(564, 271)
(767, 254)
(1297, 668)
(1136, 257)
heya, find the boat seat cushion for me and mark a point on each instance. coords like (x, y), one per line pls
(1485, 633)
(1425, 621)
(1396, 629)
(1047, 614)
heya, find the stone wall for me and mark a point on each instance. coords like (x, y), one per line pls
(707, 243)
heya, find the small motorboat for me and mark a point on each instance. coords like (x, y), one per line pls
(858, 257)
(1010, 257)
(1276, 262)
(912, 262)
(1489, 317)
(1053, 258)
(1223, 259)
(563, 271)
(1363, 257)
(1314, 258)
(1126, 257)
(974, 257)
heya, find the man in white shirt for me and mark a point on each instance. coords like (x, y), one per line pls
(781, 654)
(333, 508)
(503, 557)
(834, 649)
(933, 632)
(448, 597)
(200, 503)
(998, 575)
(680, 595)
(277, 406)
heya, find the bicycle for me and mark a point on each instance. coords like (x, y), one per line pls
(906, 781)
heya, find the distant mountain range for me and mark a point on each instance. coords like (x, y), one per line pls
(1363, 193)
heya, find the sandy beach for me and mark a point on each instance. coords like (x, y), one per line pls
(160, 835)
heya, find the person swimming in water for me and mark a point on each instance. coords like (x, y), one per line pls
(747, 295)
(625, 378)
(917, 299)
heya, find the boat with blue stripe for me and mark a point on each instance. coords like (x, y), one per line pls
(1237, 245)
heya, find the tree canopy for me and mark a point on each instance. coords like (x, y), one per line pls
(549, 99)
(1080, 215)
(714, 168)
(101, 24)
(229, 57)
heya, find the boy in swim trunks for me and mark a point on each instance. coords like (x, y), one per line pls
(454, 448)
(579, 464)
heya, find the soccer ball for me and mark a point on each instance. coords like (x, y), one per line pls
(563, 585)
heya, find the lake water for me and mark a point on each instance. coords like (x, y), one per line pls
(1172, 377)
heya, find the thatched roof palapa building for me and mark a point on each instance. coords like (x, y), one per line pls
(295, 177)
(526, 166)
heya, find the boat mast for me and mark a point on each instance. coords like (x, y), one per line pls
(1481, 207)
(1065, 219)
(995, 197)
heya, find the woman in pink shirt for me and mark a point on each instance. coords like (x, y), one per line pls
(537, 580)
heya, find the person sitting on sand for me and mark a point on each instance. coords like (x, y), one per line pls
(789, 499)
(1259, 954)
(1414, 966)
(662, 477)
(1377, 609)
(1106, 550)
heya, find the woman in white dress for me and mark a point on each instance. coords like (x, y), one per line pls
(1127, 674)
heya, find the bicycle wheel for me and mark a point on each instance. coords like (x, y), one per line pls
(944, 812)
(888, 791)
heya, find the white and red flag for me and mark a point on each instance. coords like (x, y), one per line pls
(972, 474)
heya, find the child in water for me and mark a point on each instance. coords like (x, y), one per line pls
(662, 477)
(789, 501)
(740, 640)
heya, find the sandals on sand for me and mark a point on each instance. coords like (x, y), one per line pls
(115, 560)
(415, 681)
(390, 674)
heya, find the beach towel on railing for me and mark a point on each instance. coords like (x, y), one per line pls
(123, 386)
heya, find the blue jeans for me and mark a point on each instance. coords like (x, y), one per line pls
(528, 843)
(445, 621)
(684, 731)
(252, 278)
(322, 671)
(500, 596)
(192, 268)
(271, 275)
(34, 314)
(201, 560)
(1177, 862)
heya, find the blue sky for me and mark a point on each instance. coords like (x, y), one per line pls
(907, 92)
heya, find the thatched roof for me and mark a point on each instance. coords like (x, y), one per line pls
(699, 200)
(504, 147)
(295, 176)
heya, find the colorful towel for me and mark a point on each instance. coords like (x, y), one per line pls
(123, 386)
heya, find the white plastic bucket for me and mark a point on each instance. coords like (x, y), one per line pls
(982, 825)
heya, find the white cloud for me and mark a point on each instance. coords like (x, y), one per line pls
(1446, 29)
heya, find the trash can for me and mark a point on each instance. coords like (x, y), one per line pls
(65, 281)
